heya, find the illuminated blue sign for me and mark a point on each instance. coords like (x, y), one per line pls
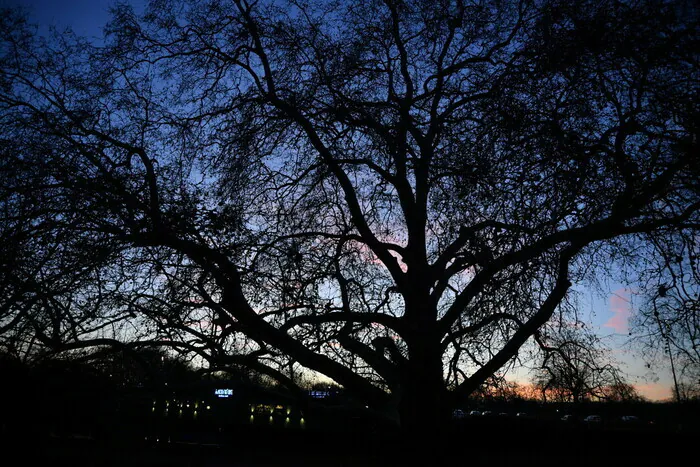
(223, 393)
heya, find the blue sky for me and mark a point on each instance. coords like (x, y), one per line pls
(86, 17)
(607, 313)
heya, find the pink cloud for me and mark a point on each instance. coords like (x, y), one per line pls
(369, 257)
(621, 308)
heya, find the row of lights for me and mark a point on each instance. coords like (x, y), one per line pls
(264, 407)
(181, 406)
(287, 421)
(196, 404)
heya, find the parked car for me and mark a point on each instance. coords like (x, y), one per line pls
(458, 414)
(593, 419)
(568, 418)
(474, 413)
(486, 413)
(630, 418)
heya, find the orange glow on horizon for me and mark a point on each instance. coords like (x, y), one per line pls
(655, 392)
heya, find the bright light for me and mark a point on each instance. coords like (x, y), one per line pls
(223, 393)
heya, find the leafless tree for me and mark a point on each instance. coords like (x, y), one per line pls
(397, 195)
(666, 328)
(576, 367)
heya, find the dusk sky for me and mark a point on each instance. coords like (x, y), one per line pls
(86, 17)
(608, 314)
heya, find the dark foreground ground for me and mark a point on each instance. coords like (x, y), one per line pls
(467, 443)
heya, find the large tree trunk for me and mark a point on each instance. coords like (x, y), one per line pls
(423, 407)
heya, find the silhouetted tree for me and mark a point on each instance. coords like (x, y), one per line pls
(52, 290)
(395, 194)
(688, 391)
(499, 389)
(621, 392)
(139, 367)
(666, 329)
(576, 368)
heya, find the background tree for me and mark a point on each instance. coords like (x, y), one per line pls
(577, 368)
(397, 195)
(666, 329)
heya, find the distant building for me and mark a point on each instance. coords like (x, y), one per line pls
(188, 412)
